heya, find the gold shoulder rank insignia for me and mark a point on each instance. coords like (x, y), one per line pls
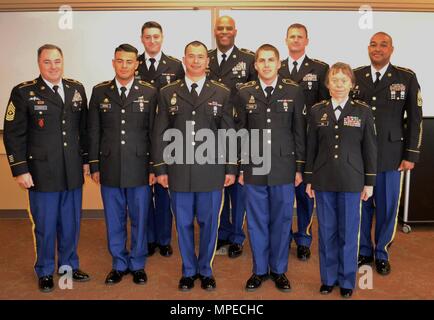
(319, 103)
(289, 81)
(105, 83)
(247, 51)
(220, 85)
(357, 69)
(73, 81)
(146, 84)
(26, 83)
(419, 98)
(362, 103)
(248, 84)
(320, 62)
(405, 69)
(171, 84)
(174, 59)
(10, 112)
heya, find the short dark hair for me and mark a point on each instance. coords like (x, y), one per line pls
(48, 46)
(267, 47)
(127, 48)
(297, 26)
(196, 43)
(340, 66)
(151, 24)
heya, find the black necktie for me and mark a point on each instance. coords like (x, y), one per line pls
(223, 61)
(294, 70)
(194, 92)
(152, 66)
(377, 79)
(123, 95)
(57, 94)
(268, 90)
(338, 111)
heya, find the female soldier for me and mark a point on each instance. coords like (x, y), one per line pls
(340, 167)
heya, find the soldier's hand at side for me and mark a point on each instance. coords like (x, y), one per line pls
(152, 179)
(95, 177)
(310, 192)
(298, 178)
(163, 180)
(229, 180)
(241, 179)
(25, 180)
(86, 169)
(406, 165)
(366, 193)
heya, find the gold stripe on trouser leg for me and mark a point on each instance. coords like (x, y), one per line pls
(173, 215)
(360, 226)
(396, 214)
(218, 226)
(310, 223)
(29, 213)
(244, 221)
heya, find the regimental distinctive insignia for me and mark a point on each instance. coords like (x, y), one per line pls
(106, 100)
(252, 99)
(10, 112)
(173, 100)
(351, 121)
(31, 93)
(419, 98)
(41, 122)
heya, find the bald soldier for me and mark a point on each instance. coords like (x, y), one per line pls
(232, 67)
(392, 92)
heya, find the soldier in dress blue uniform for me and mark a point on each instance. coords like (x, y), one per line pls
(310, 75)
(275, 106)
(391, 91)
(121, 113)
(340, 172)
(232, 67)
(158, 69)
(192, 106)
(45, 140)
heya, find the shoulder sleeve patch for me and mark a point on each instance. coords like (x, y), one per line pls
(220, 85)
(247, 51)
(26, 83)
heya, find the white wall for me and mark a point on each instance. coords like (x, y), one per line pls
(336, 36)
(89, 46)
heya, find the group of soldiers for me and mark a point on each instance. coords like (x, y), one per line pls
(335, 153)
